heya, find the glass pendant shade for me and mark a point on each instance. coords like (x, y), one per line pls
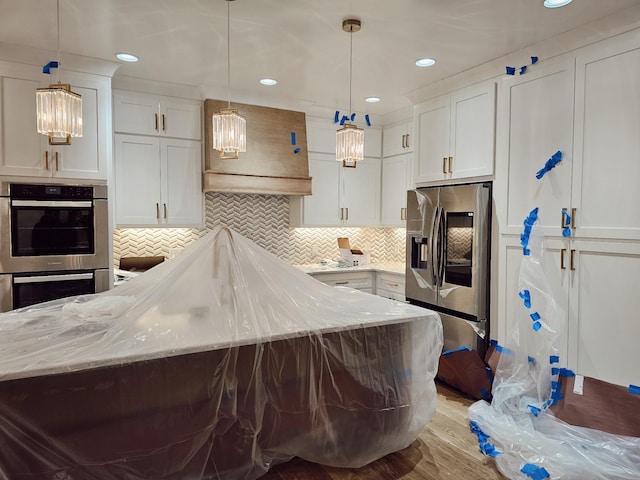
(229, 133)
(349, 145)
(59, 113)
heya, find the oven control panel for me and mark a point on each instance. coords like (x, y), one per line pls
(46, 192)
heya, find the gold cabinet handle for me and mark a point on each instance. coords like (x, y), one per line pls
(342, 283)
(164, 123)
(165, 210)
(450, 163)
(406, 144)
(156, 121)
(573, 218)
(562, 218)
(158, 211)
(57, 163)
(341, 213)
(444, 165)
(46, 159)
(571, 264)
(346, 216)
(403, 213)
(562, 267)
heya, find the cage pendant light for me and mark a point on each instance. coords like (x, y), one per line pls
(58, 109)
(229, 127)
(350, 138)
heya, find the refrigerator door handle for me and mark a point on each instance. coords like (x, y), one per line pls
(441, 247)
(433, 245)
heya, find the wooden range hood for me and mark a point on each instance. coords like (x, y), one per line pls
(270, 165)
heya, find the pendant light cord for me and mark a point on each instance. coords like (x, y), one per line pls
(350, 67)
(58, 33)
(228, 55)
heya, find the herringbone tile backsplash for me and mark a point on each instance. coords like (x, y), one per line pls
(265, 220)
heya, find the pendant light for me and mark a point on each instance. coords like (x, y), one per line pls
(58, 109)
(350, 138)
(229, 128)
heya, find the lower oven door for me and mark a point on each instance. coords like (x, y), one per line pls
(25, 289)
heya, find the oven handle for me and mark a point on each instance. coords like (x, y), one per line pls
(51, 203)
(53, 278)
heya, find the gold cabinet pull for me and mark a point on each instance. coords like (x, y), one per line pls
(164, 123)
(562, 267)
(156, 121)
(165, 210)
(571, 264)
(406, 141)
(403, 213)
(444, 165)
(347, 216)
(450, 163)
(46, 159)
(57, 163)
(342, 283)
(341, 213)
(158, 211)
(564, 209)
(573, 218)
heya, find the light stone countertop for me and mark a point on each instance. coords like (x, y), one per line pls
(332, 267)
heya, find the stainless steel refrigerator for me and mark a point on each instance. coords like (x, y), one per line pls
(448, 259)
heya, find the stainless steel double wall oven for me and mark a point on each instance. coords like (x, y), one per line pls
(53, 242)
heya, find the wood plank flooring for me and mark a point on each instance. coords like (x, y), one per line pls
(445, 449)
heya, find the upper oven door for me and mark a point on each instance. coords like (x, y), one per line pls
(47, 235)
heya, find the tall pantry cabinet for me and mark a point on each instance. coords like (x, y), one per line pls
(158, 160)
(584, 104)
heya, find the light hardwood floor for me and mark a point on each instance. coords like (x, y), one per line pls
(445, 449)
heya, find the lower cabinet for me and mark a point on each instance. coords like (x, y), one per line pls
(385, 284)
(158, 181)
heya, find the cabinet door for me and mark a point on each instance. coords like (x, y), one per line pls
(322, 207)
(472, 133)
(607, 140)
(394, 191)
(397, 139)
(432, 121)
(138, 176)
(372, 141)
(361, 193)
(539, 109)
(180, 119)
(604, 305)
(181, 171)
(21, 146)
(321, 135)
(136, 113)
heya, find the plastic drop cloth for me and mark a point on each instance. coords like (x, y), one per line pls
(219, 363)
(517, 427)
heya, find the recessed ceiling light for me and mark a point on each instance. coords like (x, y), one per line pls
(268, 81)
(425, 62)
(126, 57)
(372, 99)
(556, 3)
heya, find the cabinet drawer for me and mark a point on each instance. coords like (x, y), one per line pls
(360, 281)
(390, 283)
(392, 295)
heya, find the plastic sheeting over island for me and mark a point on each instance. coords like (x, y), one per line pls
(217, 364)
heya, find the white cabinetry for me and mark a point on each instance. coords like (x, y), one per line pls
(359, 280)
(24, 152)
(158, 181)
(397, 173)
(143, 114)
(455, 135)
(390, 285)
(340, 196)
(593, 272)
(385, 284)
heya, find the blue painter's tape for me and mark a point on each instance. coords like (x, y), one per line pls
(511, 70)
(336, 118)
(525, 295)
(343, 119)
(549, 164)
(47, 68)
(485, 394)
(447, 352)
(536, 326)
(353, 117)
(366, 119)
(534, 60)
(493, 342)
(535, 316)
(531, 219)
(505, 350)
(526, 252)
(566, 232)
(531, 360)
(556, 395)
(565, 372)
(555, 371)
(489, 374)
(293, 138)
(554, 359)
(634, 389)
(535, 472)
(555, 385)
(296, 150)
(523, 69)
(464, 347)
(534, 410)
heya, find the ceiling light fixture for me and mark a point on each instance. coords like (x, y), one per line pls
(372, 99)
(229, 128)
(126, 57)
(268, 81)
(58, 109)
(556, 3)
(350, 138)
(425, 62)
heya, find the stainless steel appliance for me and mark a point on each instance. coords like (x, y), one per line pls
(448, 254)
(53, 242)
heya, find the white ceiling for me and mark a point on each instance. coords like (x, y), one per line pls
(298, 42)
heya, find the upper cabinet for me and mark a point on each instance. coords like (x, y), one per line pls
(397, 173)
(24, 152)
(340, 196)
(144, 114)
(455, 135)
(397, 139)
